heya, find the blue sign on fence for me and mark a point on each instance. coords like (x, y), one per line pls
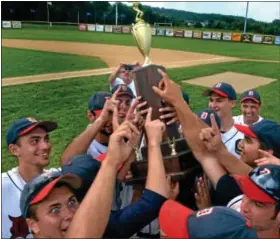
(277, 40)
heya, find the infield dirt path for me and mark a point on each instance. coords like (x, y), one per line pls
(111, 54)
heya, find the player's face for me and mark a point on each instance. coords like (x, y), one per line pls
(249, 150)
(261, 216)
(125, 75)
(221, 105)
(123, 107)
(54, 214)
(33, 148)
(250, 111)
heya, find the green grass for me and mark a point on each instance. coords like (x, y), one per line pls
(21, 62)
(234, 49)
(66, 101)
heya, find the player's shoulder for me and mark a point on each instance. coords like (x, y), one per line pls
(10, 173)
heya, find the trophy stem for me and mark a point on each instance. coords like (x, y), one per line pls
(147, 61)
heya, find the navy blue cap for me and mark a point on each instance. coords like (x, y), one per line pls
(24, 126)
(267, 131)
(262, 184)
(41, 186)
(222, 89)
(97, 101)
(85, 167)
(251, 95)
(186, 97)
(125, 90)
(177, 221)
(205, 116)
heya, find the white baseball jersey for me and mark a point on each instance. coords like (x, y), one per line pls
(119, 81)
(96, 148)
(235, 203)
(13, 223)
(240, 119)
(231, 139)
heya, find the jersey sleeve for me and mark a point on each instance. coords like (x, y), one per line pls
(126, 222)
(226, 189)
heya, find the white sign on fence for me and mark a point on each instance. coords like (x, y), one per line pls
(216, 35)
(206, 35)
(91, 27)
(6, 24)
(188, 34)
(100, 28)
(257, 38)
(226, 36)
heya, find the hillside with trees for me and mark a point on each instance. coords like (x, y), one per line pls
(104, 13)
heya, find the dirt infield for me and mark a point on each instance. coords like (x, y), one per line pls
(111, 54)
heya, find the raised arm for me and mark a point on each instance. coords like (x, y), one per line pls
(114, 74)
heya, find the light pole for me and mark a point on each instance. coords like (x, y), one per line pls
(245, 23)
(116, 23)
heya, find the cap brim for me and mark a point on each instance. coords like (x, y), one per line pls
(47, 125)
(208, 92)
(251, 190)
(124, 93)
(250, 98)
(245, 130)
(173, 219)
(70, 179)
(98, 112)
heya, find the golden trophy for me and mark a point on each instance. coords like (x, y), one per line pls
(142, 34)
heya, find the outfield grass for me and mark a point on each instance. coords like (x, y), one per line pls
(234, 49)
(21, 62)
(66, 101)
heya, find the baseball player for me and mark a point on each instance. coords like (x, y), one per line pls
(52, 210)
(28, 141)
(222, 99)
(250, 108)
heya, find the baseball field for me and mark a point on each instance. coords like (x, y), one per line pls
(51, 74)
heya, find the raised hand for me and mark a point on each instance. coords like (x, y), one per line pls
(168, 113)
(266, 158)
(154, 129)
(168, 90)
(110, 105)
(212, 136)
(202, 195)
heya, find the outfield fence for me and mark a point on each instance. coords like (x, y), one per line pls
(156, 31)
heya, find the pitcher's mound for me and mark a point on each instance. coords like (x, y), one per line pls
(240, 82)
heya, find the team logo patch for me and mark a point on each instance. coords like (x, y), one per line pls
(204, 115)
(238, 146)
(124, 88)
(19, 227)
(265, 171)
(251, 93)
(204, 212)
(218, 85)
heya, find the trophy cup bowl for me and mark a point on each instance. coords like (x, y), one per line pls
(142, 34)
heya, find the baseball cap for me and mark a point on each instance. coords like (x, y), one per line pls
(186, 97)
(267, 131)
(222, 89)
(204, 115)
(24, 126)
(251, 95)
(262, 184)
(41, 186)
(86, 167)
(97, 101)
(124, 90)
(177, 221)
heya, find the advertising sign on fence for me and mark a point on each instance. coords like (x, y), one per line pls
(160, 32)
(257, 38)
(99, 28)
(16, 24)
(179, 33)
(108, 28)
(277, 40)
(153, 31)
(206, 35)
(82, 27)
(6, 24)
(247, 37)
(188, 34)
(197, 34)
(169, 32)
(267, 39)
(236, 36)
(226, 36)
(126, 29)
(117, 29)
(216, 35)
(91, 27)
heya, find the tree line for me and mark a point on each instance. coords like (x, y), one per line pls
(104, 13)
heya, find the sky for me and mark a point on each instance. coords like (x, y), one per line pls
(261, 11)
